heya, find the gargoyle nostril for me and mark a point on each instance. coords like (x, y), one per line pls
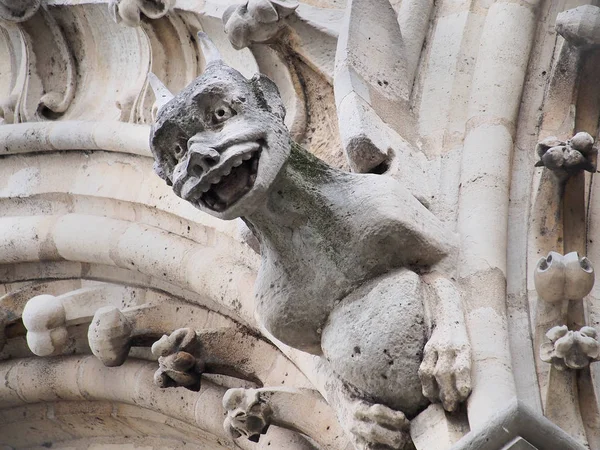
(201, 159)
(195, 170)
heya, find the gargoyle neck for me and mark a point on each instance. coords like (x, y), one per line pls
(298, 199)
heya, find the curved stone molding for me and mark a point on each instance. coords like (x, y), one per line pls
(181, 65)
(178, 360)
(7, 110)
(570, 349)
(256, 21)
(83, 378)
(580, 26)
(248, 413)
(273, 64)
(51, 79)
(565, 159)
(130, 12)
(18, 10)
(558, 278)
(75, 135)
(109, 336)
(44, 317)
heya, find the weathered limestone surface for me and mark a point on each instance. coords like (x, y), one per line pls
(409, 260)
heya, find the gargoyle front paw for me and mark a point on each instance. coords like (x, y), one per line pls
(445, 373)
(377, 427)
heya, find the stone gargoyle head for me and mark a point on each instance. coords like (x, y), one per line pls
(221, 141)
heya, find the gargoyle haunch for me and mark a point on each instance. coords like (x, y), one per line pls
(339, 250)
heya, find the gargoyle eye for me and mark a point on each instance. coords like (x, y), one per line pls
(221, 113)
(179, 151)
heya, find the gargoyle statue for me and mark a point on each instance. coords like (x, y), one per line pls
(340, 252)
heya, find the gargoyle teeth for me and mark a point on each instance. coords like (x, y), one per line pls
(210, 201)
(229, 182)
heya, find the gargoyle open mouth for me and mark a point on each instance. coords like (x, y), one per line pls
(230, 180)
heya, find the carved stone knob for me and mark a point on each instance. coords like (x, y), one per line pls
(130, 12)
(580, 26)
(568, 277)
(18, 10)
(565, 158)
(572, 349)
(256, 21)
(109, 336)
(178, 365)
(45, 319)
(248, 414)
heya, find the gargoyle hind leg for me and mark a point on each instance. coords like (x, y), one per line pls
(372, 345)
(445, 372)
(361, 364)
(370, 426)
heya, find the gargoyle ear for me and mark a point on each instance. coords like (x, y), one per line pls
(270, 95)
(543, 146)
(262, 11)
(229, 13)
(284, 7)
(160, 171)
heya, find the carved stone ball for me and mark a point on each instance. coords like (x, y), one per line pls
(582, 141)
(45, 319)
(568, 277)
(567, 158)
(554, 158)
(109, 336)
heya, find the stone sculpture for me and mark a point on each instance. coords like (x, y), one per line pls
(570, 349)
(45, 319)
(109, 336)
(18, 10)
(558, 278)
(130, 12)
(566, 158)
(178, 365)
(248, 413)
(340, 251)
(256, 21)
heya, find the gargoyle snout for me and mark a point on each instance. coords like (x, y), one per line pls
(201, 159)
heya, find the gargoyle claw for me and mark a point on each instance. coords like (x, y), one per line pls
(379, 427)
(445, 373)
